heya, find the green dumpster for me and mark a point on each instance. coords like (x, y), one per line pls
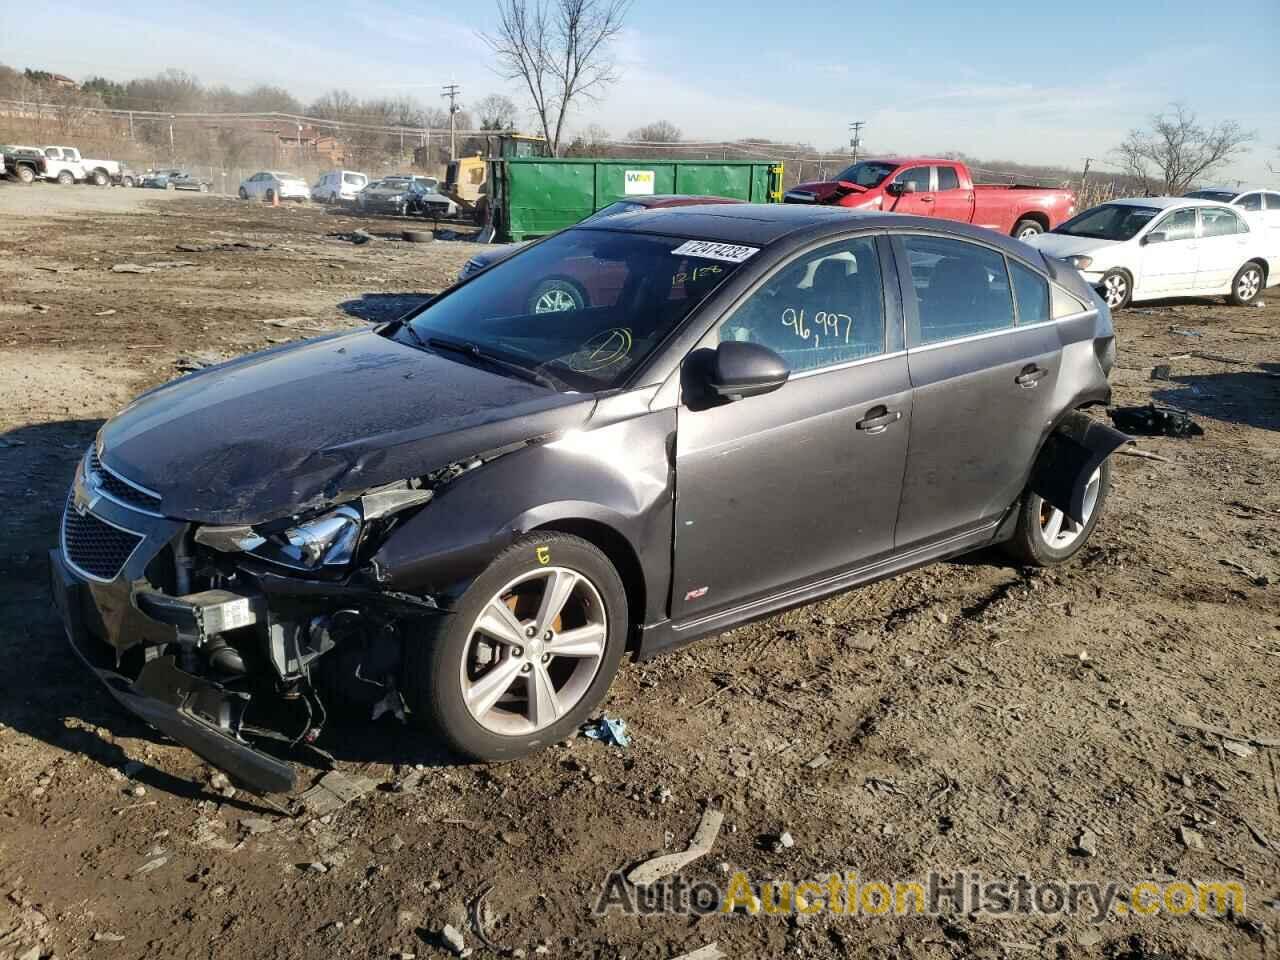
(531, 197)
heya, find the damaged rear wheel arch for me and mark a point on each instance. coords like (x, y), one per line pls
(624, 559)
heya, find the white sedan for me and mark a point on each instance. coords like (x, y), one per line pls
(1261, 208)
(270, 184)
(1153, 247)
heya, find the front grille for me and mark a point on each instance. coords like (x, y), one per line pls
(94, 546)
(117, 488)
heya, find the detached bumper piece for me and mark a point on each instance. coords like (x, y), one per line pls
(198, 713)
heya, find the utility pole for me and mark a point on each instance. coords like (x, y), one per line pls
(451, 91)
(171, 154)
(1084, 174)
(855, 137)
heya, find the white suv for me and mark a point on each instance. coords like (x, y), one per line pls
(339, 186)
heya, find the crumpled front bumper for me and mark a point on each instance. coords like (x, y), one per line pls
(201, 715)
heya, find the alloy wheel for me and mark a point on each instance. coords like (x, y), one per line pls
(534, 651)
(555, 300)
(1115, 289)
(1057, 529)
(1249, 283)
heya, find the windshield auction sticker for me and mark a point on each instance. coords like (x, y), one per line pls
(710, 250)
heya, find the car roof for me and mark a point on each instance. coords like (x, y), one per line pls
(1163, 203)
(761, 224)
(675, 200)
(1235, 191)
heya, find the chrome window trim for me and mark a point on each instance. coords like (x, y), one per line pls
(802, 374)
(1001, 332)
(66, 557)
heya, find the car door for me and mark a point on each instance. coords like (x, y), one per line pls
(983, 383)
(1169, 260)
(778, 490)
(1271, 214)
(1224, 247)
(922, 200)
(952, 201)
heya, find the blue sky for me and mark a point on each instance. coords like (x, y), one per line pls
(1001, 80)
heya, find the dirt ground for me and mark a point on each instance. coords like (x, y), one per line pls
(967, 716)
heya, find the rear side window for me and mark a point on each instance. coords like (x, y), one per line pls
(1065, 305)
(961, 289)
(1250, 202)
(823, 308)
(947, 179)
(1032, 293)
(1220, 223)
(1273, 201)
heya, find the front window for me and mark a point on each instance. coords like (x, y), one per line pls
(1111, 221)
(1217, 196)
(583, 308)
(613, 209)
(916, 175)
(868, 173)
(1179, 225)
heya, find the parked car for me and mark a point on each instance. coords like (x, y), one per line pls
(1261, 208)
(478, 511)
(67, 166)
(500, 252)
(175, 180)
(933, 187)
(25, 164)
(339, 186)
(406, 196)
(270, 184)
(1153, 247)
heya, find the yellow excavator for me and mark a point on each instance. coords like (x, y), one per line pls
(466, 179)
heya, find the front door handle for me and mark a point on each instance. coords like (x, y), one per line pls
(926, 199)
(878, 419)
(1030, 376)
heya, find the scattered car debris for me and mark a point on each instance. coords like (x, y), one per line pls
(1193, 724)
(703, 839)
(1257, 579)
(709, 952)
(452, 938)
(150, 866)
(609, 730)
(1086, 843)
(357, 237)
(256, 826)
(101, 937)
(1185, 333)
(334, 791)
(215, 247)
(1191, 839)
(105, 313)
(785, 841)
(476, 912)
(1160, 372)
(1219, 358)
(418, 236)
(1155, 421)
(196, 361)
(154, 267)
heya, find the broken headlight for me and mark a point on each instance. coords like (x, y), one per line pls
(329, 540)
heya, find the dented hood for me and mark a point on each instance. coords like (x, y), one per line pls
(319, 422)
(823, 191)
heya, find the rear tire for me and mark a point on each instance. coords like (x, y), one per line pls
(244, 194)
(271, 196)
(1117, 288)
(1025, 229)
(1247, 284)
(127, 182)
(170, 185)
(1045, 537)
(446, 671)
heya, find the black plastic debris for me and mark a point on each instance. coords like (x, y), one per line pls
(1155, 421)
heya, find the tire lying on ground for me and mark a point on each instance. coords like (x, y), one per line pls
(418, 236)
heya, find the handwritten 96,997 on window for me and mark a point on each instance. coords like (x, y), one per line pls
(834, 326)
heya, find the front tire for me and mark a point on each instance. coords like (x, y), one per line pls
(127, 182)
(100, 178)
(244, 194)
(556, 295)
(1247, 284)
(1117, 289)
(26, 175)
(65, 178)
(529, 652)
(1025, 229)
(1045, 536)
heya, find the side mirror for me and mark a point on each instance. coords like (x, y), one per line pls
(897, 189)
(1158, 237)
(742, 369)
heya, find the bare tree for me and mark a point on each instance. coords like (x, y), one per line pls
(663, 131)
(497, 112)
(559, 50)
(1177, 151)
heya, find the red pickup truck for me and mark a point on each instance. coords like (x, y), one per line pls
(932, 187)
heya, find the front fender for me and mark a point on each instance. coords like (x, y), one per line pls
(617, 476)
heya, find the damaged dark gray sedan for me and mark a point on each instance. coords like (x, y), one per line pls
(478, 510)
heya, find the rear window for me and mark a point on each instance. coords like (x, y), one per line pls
(947, 179)
(355, 178)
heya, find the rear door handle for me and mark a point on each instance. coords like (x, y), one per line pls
(1030, 376)
(878, 419)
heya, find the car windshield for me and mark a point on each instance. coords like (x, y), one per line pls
(1111, 221)
(868, 173)
(1219, 196)
(613, 209)
(394, 184)
(581, 309)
